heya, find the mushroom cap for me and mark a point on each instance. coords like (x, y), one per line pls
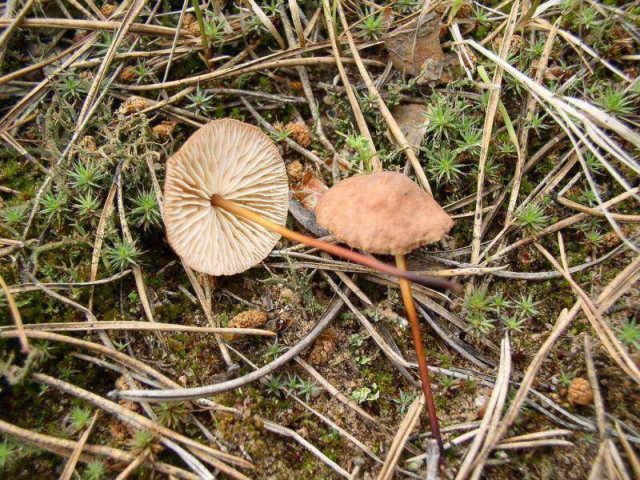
(384, 213)
(240, 163)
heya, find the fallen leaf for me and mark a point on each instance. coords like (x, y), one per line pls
(309, 190)
(420, 55)
(412, 121)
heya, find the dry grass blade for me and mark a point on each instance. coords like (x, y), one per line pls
(353, 100)
(15, 22)
(628, 449)
(606, 335)
(267, 23)
(213, 456)
(494, 98)
(15, 314)
(295, 17)
(593, 380)
(474, 460)
(406, 427)
(208, 390)
(137, 327)
(65, 448)
(70, 466)
(382, 106)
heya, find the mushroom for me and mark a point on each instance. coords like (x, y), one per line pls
(226, 201)
(387, 213)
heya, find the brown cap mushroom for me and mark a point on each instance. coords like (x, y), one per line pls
(240, 163)
(384, 213)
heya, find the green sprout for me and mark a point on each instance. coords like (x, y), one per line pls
(94, 471)
(200, 101)
(15, 215)
(372, 26)
(85, 177)
(616, 102)
(122, 254)
(80, 418)
(527, 306)
(53, 205)
(531, 217)
(87, 204)
(443, 165)
(146, 212)
(629, 334)
(366, 394)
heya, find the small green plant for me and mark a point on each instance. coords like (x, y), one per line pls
(531, 217)
(307, 389)
(441, 117)
(146, 212)
(143, 442)
(14, 216)
(80, 418)
(449, 383)
(593, 164)
(593, 237)
(53, 206)
(404, 401)
(85, 177)
(372, 26)
(565, 379)
(122, 254)
(499, 303)
(7, 454)
(480, 324)
(72, 87)
(443, 165)
(363, 153)
(366, 394)
(293, 382)
(356, 340)
(273, 351)
(87, 204)
(527, 306)
(201, 102)
(173, 414)
(363, 360)
(94, 471)
(214, 31)
(616, 102)
(478, 302)
(513, 323)
(142, 71)
(275, 385)
(470, 141)
(629, 334)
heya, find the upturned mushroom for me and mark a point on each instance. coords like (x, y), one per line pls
(386, 213)
(226, 201)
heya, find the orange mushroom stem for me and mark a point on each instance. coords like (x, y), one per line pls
(410, 308)
(240, 211)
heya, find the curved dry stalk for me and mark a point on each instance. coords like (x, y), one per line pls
(77, 451)
(406, 427)
(213, 456)
(136, 327)
(64, 447)
(15, 314)
(104, 25)
(209, 390)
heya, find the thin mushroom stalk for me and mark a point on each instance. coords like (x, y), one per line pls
(410, 308)
(240, 211)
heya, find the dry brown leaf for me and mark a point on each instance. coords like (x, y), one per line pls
(412, 122)
(420, 55)
(309, 190)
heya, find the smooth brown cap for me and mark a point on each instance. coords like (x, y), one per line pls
(239, 162)
(384, 213)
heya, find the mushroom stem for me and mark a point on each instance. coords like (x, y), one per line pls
(410, 308)
(239, 210)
